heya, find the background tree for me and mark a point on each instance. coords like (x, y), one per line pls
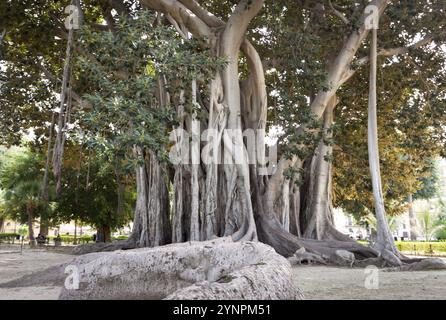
(19, 178)
(93, 197)
(429, 223)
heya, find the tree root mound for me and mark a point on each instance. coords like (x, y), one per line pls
(217, 269)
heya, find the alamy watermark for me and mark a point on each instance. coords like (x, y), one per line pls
(72, 280)
(227, 146)
(371, 281)
(372, 19)
(73, 19)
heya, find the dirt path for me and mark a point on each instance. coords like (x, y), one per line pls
(328, 283)
(317, 282)
(13, 265)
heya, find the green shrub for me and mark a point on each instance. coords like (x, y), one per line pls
(123, 237)
(421, 246)
(69, 239)
(8, 237)
(441, 235)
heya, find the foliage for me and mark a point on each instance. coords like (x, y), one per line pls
(409, 131)
(20, 179)
(429, 181)
(370, 221)
(123, 81)
(69, 239)
(429, 223)
(116, 72)
(440, 233)
(8, 237)
(90, 194)
(421, 246)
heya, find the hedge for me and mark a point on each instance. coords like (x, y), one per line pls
(69, 239)
(420, 247)
(8, 237)
(121, 238)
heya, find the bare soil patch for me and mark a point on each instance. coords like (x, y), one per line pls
(330, 283)
(14, 264)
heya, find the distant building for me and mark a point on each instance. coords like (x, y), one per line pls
(346, 224)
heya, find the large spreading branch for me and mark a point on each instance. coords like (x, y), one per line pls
(402, 50)
(210, 19)
(335, 78)
(181, 14)
(391, 52)
(237, 25)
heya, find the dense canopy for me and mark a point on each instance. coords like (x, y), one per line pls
(113, 91)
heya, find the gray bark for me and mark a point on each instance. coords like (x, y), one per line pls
(218, 269)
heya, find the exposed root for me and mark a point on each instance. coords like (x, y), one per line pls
(421, 265)
(301, 255)
(286, 244)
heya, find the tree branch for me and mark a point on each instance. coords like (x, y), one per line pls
(207, 17)
(334, 80)
(83, 103)
(389, 53)
(399, 50)
(181, 14)
(338, 13)
(237, 25)
(120, 7)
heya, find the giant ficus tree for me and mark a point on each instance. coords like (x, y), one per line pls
(287, 64)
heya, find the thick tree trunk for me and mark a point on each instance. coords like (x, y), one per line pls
(30, 214)
(151, 222)
(295, 228)
(44, 227)
(226, 270)
(104, 234)
(75, 232)
(316, 193)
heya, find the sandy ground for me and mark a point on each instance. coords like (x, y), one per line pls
(317, 282)
(329, 283)
(13, 265)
